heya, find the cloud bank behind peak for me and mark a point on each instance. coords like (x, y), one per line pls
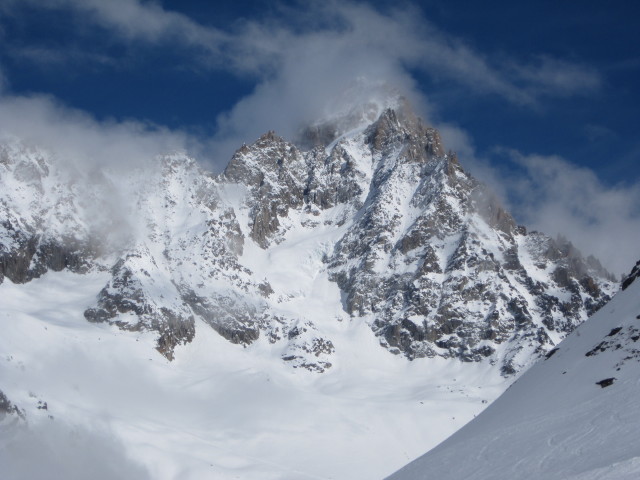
(308, 63)
(301, 58)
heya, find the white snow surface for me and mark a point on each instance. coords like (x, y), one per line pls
(219, 410)
(555, 422)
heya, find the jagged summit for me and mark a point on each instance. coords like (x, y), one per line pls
(352, 114)
(406, 240)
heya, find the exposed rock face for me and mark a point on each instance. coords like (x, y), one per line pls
(635, 273)
(8, 409)
(419, 249)
(33, 256)
(273, 171)
(442, 269)
(126, 302)
(624, 340)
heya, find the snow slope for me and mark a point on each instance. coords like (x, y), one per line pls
(563, 419)
(219, 410)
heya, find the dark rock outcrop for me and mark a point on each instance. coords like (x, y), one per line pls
(126, 302)
(8, 409)
(635, 273)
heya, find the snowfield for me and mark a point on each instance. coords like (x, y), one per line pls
(116, 408)
(563, 419)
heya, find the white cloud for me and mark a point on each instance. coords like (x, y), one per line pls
(305, 71)
(309, 55)
(79, 137)
(263, 46)
(325, 72)
(132, 19)
(82, 145)
(556, 77)
(558, 197)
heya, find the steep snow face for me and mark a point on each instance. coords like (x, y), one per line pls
(575, 414)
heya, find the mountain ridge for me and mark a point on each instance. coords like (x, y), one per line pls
(415, 241)
(367, 289)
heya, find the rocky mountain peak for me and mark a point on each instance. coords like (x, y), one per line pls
(352, 112)
(399, 135)
(177, 163)
(376, 219)
(269, 156)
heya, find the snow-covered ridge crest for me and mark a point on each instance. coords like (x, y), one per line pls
(374, 224)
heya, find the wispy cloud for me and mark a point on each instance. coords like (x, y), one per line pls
(78, 137)
(47, 57)
(595, 133)
(556, 196)
(556, 77)
(402, 34)
(308, 60)
(130, 19)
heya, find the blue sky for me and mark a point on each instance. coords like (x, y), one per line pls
(540, 99)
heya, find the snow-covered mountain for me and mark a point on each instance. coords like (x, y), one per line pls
(573, 415)
(367, 268)
(419, 249)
